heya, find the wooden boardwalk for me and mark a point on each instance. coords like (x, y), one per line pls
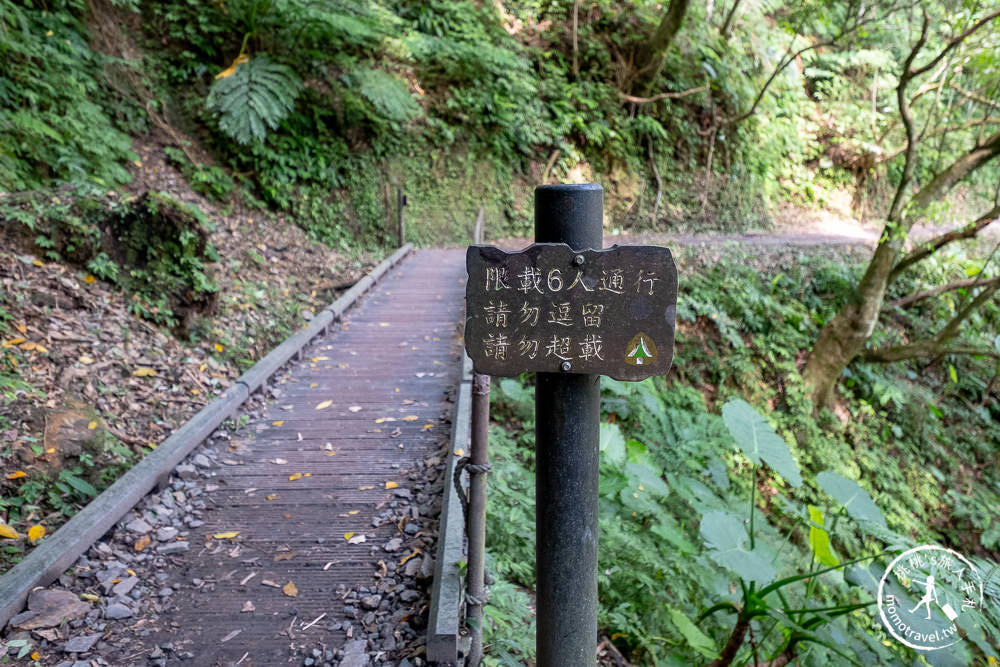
(362, 410)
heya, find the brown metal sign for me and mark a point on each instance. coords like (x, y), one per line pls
(549, 308)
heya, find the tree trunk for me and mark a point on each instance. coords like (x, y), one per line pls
(649, 59)
(844, 337)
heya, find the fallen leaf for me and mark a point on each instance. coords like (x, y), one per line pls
(357, 539)
(11, 534)
(382, 420)
(12, 342)
(144, 372)
(391, 485)
(280, 462)
(287, 515)
(347, 536)
(366, 487)
(324, 405)
(278, 423)
(308, 474)
(37, 262)
(313, 385)
(28, 346)
(459, 452)
(229, 636)
(285, 556)
(412, 555)
(287, 407)
(17, 474)
(428, 427)
(248, 607)
(89, 278)
(271, 496)
(36, 533)
(244, 580)
(90, 597)
(218, 348)
(21, 328)
(353, 512)
(355, 408)
(410, 418)
(85, 360)
(91, 426)
(228, 535)
(331, 453)
(294, 476)
(268, 582)
(141, 543)
(41, 349)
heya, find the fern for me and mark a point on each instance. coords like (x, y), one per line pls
(258, 95)
(390, 97)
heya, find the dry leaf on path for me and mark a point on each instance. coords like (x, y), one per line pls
(348, 536)
(324, 405)
(391, 485)
(278, 423)
(36, 533)
(141, 543)
(357, 539)
(366, 487)
(228, 535)
(269, 582)
(355, 408)
(8, 532)
(248, 606)
(285, 556)
(410, 418)
(294, 476)
(144, 372)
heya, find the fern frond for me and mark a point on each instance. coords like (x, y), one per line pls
(390, 96)
(258, 95)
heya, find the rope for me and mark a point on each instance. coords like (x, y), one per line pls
(465, 464)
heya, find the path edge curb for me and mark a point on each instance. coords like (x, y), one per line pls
(443, 625)
(56, 553)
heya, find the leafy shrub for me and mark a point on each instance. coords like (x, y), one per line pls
(255, 95)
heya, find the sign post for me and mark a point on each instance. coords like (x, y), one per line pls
(571, 312)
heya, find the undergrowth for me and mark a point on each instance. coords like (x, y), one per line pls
(919, 441)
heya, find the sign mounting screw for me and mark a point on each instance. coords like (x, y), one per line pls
(578, 260)
(566, 366)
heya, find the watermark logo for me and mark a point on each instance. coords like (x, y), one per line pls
(923, 593)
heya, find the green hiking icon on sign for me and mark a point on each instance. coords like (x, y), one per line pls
(640, 351)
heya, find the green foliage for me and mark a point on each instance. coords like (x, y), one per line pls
(256, 97)
(53, 125)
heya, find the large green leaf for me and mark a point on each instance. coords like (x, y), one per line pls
(695, 638)
(612, 444)
(758, 441)
(726, 539)
(819, 539)
(853, 498)
(252, 96)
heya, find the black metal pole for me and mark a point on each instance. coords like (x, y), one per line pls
(567, 416)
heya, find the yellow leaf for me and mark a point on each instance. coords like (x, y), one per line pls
(37, 262)
(278, 423)
(459, 452)
(218, 348)
(271, 496)
(144, 372)
(391, 485)
(91, 426)
(8, 532)
(41, 348)
(308, 474)
(228, 535)
(324, 405)
(17, 474)
(229, 71)
(35, 655)
(382, 420)
(36, 533)
(50, 450)
(141, 543)
(290, 590)
(348, 536)
(313, 385)
(12, 342)
(315, 359)
(21, 328)
(90, 597)
(89, 279)
(353, 512)
(294, 476)
(85, 360)
(28, 346)
(366, 487)
(412, 555)
(410, 418)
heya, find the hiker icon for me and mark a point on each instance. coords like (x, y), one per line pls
(929, 592)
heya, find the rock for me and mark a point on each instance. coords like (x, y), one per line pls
(412, 567)
(371, 601)
(395, 544)
(139, 526)
(166, 533)
(81, 644)
(49, 608)
(201, 461)
(409, 595)
(124, 586)
(412, 528)
(186, 471)
(427, 567)
(172, 548)
(117, 611)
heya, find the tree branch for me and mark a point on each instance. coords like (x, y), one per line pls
(662, 96)
(924, 349)
(909, 299)
(975, 97)
(929, 247)
(955, 41)
(907, 118)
